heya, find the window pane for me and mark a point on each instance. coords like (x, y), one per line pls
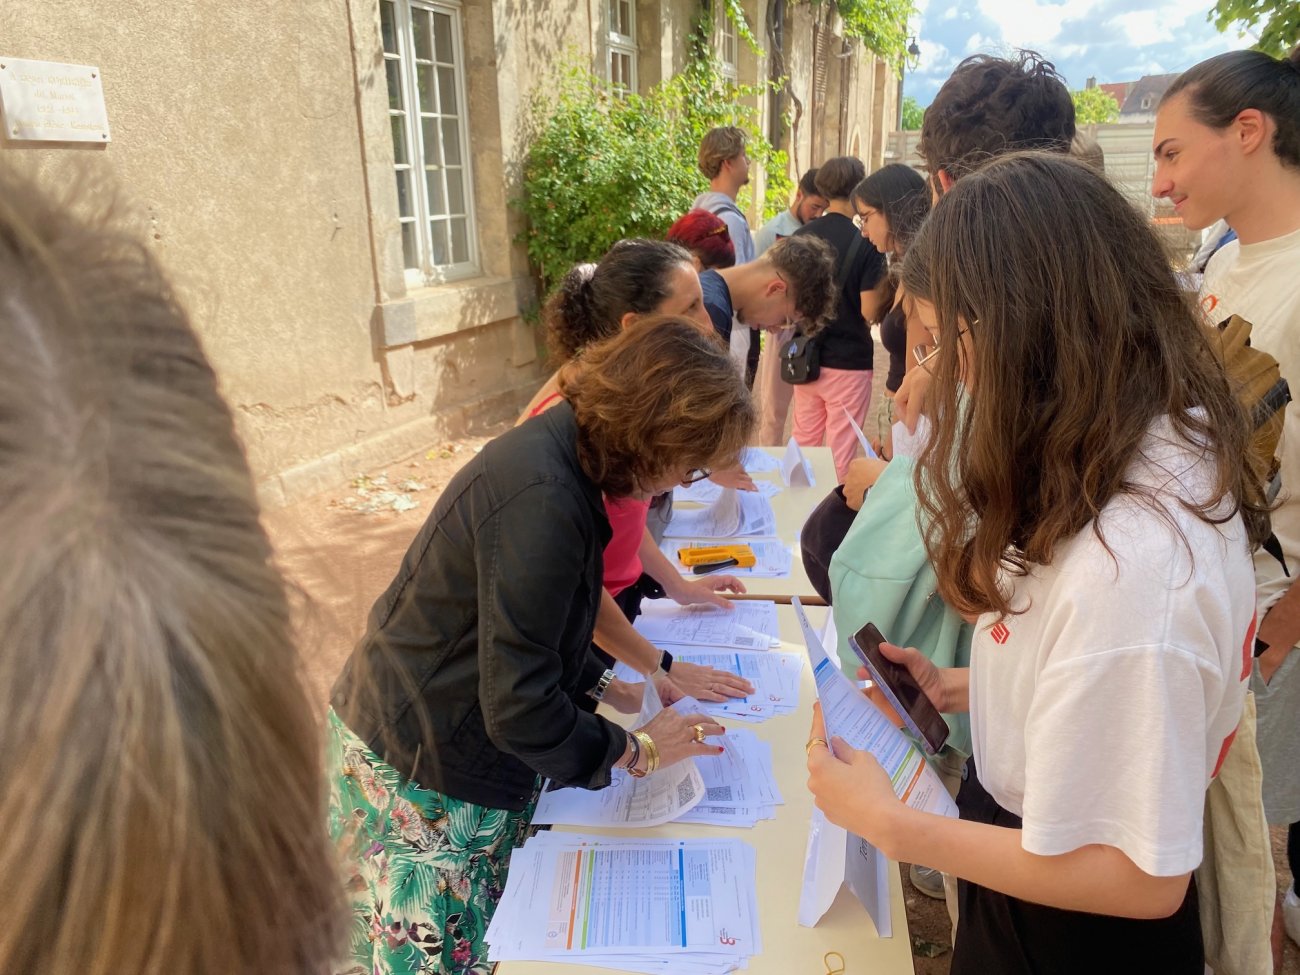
(394, 72)
(400, 155)
(442, 37)
(404, 193)
(451, 142)
(455, 191)
(432, 135)
(437, 198)
(447, 90)
(410, 252)
(423, 43)
(424, 82)
(387, 27)
(441, 251)
(459, 241)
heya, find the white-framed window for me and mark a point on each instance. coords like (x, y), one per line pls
(728, 45)
(425, 70)
(622, 45)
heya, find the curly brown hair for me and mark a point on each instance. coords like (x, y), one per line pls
(658, 399)
(807, 265)
(989, 106)
(1070, 371)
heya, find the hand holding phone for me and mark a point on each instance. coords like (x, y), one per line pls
(900, 688)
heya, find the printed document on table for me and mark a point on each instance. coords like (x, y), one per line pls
(851, 715)
(755, 460)
(772, 560)
(627, 801)
(731, 514)
(750, 624)
(707, 492)
(629, 902)
(775, 677)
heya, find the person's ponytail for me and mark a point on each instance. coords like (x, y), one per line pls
(569, 315)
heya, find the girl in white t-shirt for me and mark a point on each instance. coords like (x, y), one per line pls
(1085, 491)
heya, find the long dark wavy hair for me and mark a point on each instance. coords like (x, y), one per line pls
(1080, 338)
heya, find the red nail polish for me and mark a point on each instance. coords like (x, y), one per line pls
(721, 749)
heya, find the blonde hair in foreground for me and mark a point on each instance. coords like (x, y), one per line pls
(160, 781)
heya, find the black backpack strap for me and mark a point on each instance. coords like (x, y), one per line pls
(855, 249)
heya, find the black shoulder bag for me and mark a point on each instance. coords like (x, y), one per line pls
(799, 359)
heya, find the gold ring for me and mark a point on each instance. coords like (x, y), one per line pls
(699, 732)
(815, 741)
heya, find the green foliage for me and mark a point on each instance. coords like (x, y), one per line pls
(1280, 19)
(881, 25)
(1094, 105)
(912, 114)
(601, 167)
(735, 12)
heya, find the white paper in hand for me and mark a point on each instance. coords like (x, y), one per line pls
(857, 432)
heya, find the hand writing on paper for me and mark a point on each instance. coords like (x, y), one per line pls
(709, 683)
(734, 477)
(849, 786)
(707, 591)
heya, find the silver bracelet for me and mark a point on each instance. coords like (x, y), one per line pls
(597, 693)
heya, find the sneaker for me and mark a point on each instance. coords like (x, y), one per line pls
(929, 882)
(1291, 915)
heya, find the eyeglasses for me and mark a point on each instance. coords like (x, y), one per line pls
(923, 353)
(696, 474)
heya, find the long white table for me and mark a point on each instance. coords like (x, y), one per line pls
(792, 506)
(780, 844)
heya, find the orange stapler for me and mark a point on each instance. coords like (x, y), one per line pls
(715, 557)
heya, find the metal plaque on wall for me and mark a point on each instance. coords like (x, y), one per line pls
(52, 102)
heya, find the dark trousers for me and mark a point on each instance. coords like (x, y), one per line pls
(1008, 936)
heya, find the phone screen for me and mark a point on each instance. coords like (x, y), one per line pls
(902, 690)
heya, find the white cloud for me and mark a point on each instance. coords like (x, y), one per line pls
(949, 14)
(1028, 23)
(1141, 27)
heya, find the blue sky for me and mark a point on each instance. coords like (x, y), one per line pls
(1114, 40)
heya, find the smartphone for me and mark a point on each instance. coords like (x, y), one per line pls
(920, 716)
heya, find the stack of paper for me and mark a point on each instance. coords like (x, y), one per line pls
(641, 905)
(730, 515)
(772, 558)
(775, 677)
(739, 785)
(755, 460)
(706, 492)
(750, 624)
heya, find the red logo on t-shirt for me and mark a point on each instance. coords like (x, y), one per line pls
(1209, 303)
(1001, 633)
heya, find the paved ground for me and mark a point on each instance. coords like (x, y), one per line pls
(340, 550)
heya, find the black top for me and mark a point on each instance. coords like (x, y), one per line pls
(845, 342)
(484, 633)
(717, 302)
(893, 336)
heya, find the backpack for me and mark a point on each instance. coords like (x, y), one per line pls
(1257, 380)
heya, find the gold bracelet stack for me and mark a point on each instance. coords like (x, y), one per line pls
(651, 750)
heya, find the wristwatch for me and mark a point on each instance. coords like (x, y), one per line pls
(597, 693)
(665, 664)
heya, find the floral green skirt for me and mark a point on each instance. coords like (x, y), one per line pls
(428, 869)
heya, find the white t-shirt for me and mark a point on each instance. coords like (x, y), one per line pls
(1261, 283)
(1100, 714)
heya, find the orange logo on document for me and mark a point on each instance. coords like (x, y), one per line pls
(1209, 303)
